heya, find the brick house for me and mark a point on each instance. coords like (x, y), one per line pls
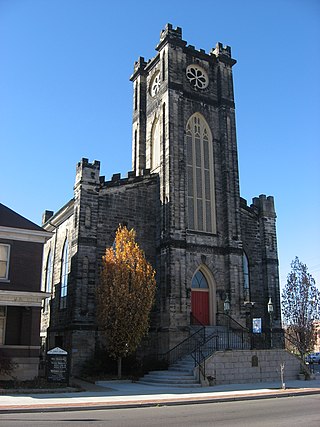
(182, 198)
(21, 248)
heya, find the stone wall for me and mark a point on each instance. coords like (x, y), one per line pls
(251, 366)
(89, 222)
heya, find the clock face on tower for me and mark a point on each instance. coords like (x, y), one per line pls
(197, 76)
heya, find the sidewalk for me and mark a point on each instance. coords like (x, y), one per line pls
(113, 394)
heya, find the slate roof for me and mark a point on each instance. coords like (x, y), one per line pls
(9, 218)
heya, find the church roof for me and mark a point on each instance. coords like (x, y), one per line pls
(9, 218)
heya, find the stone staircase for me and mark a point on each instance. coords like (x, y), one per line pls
(179, 374)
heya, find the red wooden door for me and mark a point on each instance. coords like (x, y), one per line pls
(200, 306)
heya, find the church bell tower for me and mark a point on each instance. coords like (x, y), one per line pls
(184, 130)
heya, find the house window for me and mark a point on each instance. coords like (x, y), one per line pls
(200, 176)
(4, 261)
(64, 275)
(246, 278)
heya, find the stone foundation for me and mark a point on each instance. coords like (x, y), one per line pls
(251, 366)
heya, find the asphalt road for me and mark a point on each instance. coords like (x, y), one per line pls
(289, 411)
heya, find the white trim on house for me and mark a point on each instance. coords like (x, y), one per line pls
(25, 235)
(21, 298)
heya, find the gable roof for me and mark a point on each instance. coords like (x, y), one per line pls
(9, 218)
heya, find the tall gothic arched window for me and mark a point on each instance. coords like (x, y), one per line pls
(48, 279)
(155, 145)
(64, 275)
(200, 175)
(246, 277)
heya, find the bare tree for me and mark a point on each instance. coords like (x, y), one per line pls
(301, 307)
(125, 295)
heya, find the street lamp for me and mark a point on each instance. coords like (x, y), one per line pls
(270, 311)
(226, 309)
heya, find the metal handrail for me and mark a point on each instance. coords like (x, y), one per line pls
(195, 321)
(231, 319)
(185, 347)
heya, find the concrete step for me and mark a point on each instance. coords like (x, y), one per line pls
(196, 385)
(167, 380)
(181, 369)
(170, 374)
(188, 365)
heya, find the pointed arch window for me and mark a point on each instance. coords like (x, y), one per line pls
(155, 145)
(246, 277)
(64, 275)
(199, 281)
(48, 278)
(200, 175)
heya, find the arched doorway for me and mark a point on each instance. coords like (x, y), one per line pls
(200, 299)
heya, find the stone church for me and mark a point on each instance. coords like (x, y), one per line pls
(182, 197)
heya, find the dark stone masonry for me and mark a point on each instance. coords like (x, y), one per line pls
(183, 200)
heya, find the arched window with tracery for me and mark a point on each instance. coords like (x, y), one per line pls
(200, 175)
(199, 281)
(64, 275)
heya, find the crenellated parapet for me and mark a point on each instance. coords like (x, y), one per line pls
(87, 173)
(117, 180)
(138, 68)
(223, 54)
(264, 205)
(171, 35)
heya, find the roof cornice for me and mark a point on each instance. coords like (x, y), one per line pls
(25, 235)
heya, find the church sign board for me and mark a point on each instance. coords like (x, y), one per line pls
(57, 366)
(257, 325)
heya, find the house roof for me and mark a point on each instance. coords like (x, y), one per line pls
(9, 218)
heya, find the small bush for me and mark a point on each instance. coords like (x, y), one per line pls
(7, 366)
(36, 383)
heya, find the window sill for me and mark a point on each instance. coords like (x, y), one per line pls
(203, 233)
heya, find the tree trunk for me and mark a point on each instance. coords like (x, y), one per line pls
(119, 367)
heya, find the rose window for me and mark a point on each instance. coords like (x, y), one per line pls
(155, 84)
(197, 77)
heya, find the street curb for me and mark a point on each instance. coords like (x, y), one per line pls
(125, 404)
(5, 391)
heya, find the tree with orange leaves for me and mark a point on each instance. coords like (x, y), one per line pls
(125, 295)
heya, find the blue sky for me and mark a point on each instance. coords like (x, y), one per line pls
(65, 94)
